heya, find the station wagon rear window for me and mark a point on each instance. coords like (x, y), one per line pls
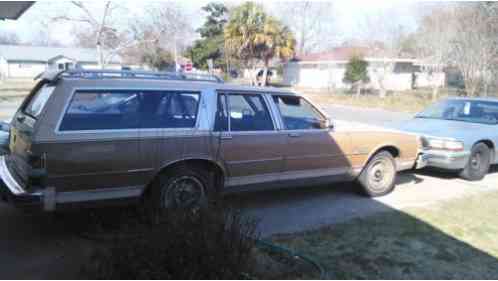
(38, 101)
(130, 109)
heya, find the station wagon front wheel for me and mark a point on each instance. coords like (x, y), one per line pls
(379, 176)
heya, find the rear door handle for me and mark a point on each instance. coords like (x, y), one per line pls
(294, 135)
(226, 136)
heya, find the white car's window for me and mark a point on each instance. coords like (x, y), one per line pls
(38, 101)
(475, 111)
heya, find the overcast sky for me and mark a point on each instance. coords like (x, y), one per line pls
(349, 16)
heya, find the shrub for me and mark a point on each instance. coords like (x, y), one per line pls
(208, 244)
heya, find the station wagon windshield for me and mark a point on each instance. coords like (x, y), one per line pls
(473, 111)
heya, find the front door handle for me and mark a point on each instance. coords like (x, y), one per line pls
(294, 135)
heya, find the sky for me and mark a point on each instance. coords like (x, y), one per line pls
(349, 16)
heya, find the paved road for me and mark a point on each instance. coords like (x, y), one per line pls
(374, 116)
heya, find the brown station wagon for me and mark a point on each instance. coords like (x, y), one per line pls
(170, 140)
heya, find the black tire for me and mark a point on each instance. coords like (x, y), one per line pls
(378, 178)
(478, 165)
(169, 193)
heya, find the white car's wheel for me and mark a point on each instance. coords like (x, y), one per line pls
(478, 165)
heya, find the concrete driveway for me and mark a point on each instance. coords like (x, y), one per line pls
(287, 211)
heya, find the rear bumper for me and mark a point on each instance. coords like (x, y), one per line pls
(12, 192)
(47, 198)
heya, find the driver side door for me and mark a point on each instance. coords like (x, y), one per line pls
(313, 150)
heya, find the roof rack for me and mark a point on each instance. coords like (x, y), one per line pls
(130, 74)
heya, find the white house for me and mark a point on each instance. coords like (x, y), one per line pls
(326, 70)
(25, 62)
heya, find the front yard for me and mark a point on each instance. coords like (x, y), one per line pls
(406, 101)
(451, 240)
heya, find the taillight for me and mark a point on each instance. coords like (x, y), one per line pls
(38, 172)
(37, 161)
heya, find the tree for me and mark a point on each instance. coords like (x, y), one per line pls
(356, 73)
(97, 30)
(475, 44)
(385, 29)
(312, 23)
(157, 38)
(158, 59)
(251, 36)
(433, 45)
(211, 44)
(9, 39)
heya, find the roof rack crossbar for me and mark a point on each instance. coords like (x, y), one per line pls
(132, 74)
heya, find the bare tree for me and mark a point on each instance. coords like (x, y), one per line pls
(384, 34)
(98, 29)
(165, 29)
(475, 44)
(433, 47)
(44, 33)
(312, 22)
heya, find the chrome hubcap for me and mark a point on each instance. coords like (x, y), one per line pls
(381, 174)
(184, 192)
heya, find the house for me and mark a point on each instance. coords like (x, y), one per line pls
(25, 62)
(326, 70)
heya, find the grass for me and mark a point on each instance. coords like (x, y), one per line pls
(406, 101)
(452, 240)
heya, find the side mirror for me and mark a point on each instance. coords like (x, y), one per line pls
(330, 124)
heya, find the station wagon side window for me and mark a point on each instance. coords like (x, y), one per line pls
(246, 112)
(298, 114)
(130, 109)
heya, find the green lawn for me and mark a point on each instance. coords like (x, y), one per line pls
(452, 240)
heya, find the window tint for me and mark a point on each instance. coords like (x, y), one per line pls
(298, 114)
(38, 101)
(249, 113)
(111, 110)
(221, 121)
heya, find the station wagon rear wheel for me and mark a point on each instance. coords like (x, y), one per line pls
(180, 188)
(379, 176)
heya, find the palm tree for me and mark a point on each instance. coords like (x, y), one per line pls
(251, 35)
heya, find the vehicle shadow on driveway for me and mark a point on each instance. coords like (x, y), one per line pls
(44, 246)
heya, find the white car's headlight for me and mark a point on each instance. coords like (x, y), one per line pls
(442, 144)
